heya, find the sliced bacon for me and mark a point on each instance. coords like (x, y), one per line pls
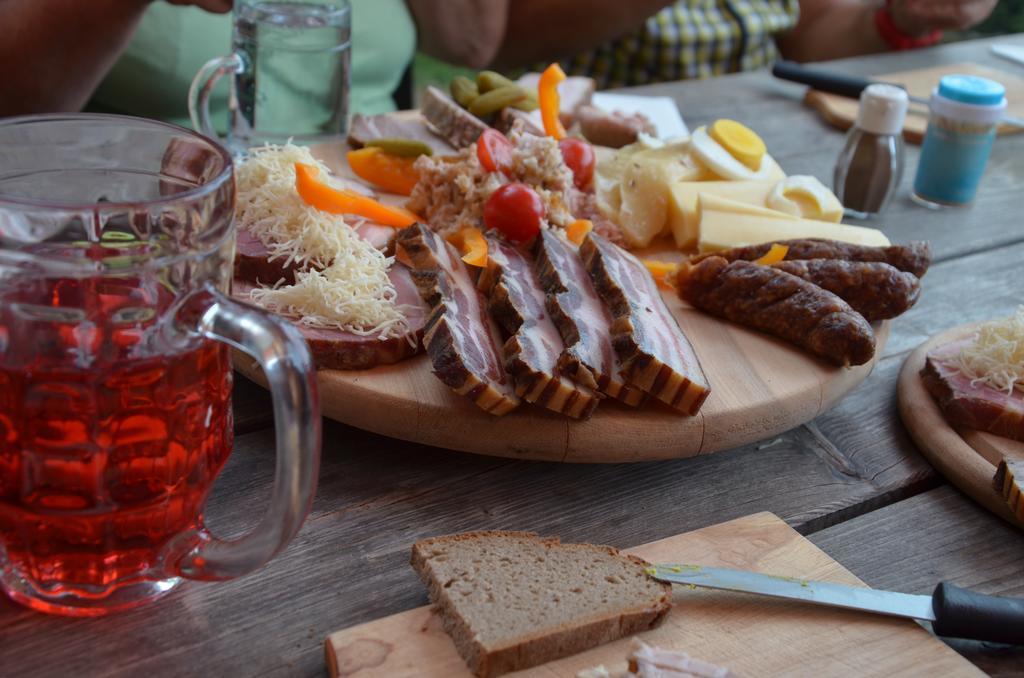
(582, 319)
(337, 349)
(656, 356)
(460, 337)
(534, 346)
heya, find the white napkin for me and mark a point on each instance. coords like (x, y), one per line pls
(1012, 52)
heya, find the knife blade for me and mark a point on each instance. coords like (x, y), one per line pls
(848, 85)
(953, 611)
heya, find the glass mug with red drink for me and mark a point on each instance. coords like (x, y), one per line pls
(116, 250)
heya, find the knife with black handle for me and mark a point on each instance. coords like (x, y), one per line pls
(960, 613)
(824, 81)
(953, 611)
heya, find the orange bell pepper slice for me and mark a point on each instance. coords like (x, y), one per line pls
(547, 97)
(774, 255)
(392, 173)
(578, 230)
(663, 272)
(339, 201)
(473, 245)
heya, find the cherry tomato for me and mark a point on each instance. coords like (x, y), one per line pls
(516, 210)
(494, 151)
(579, 156)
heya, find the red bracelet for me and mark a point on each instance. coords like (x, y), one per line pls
(897, 39)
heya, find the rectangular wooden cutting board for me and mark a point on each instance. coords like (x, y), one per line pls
(842, 111)
(753, 636)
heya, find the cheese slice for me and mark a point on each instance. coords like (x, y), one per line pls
(721, 229)
(805, 196)
(633, 187)
(683, 217)
(715, 202)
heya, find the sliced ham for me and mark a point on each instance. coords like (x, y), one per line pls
(337, 349)
(655, 354)
(378, 235)
(457, 125)
(460, 337)
(581, 318)
(976, 406)
(253, 263)
(534, 346)
(612, 129)
(367, 128)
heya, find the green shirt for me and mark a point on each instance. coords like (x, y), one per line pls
(152, 77)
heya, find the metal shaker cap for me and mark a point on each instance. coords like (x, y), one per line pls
(882, 109)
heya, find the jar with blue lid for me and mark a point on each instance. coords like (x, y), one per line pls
(964, 113)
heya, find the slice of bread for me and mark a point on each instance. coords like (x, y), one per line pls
(512, 600)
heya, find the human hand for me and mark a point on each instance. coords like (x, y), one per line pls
(919, 17)
(216, 6)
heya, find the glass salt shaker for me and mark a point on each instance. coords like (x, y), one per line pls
(964, 112)
(870, 165)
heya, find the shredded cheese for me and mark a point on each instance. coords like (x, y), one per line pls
(996, 356)
(328, 299)
(269, 207)
(353, 292)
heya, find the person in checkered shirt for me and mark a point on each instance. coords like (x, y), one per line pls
(646, 41)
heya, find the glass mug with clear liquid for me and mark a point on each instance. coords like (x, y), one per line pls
(116, 250)
(290, 74)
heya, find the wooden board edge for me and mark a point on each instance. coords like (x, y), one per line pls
(940, 443)
(568, 441)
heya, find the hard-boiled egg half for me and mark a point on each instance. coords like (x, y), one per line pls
(731, 150)
(805, 196)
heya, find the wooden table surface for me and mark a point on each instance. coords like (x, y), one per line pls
(851, 479)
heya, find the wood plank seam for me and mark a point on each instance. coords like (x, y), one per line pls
(942, 259)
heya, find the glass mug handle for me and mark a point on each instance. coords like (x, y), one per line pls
(202, 86)
(284, 356)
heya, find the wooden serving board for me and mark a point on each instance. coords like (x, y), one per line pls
(842, 111)
(760, 387)
(966, 457)
(752, 635)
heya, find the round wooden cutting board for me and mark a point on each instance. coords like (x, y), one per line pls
(760, 387)
(966, 457)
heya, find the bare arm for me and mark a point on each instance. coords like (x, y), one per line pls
(545, 30)
(463, 32)
(511, 33)
(831, 29)
(54, 53)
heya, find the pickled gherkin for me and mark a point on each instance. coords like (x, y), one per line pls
(405, 148)
(491, 80)
(497, 99)
(463, 90)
